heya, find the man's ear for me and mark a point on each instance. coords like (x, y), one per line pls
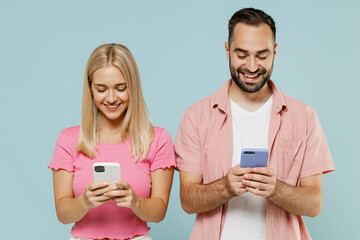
(275, 49)
(227, 50)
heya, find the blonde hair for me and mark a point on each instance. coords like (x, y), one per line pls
(136, 119)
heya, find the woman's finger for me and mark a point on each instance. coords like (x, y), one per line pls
(116, 193)
(101, 198)
(102, 191)
(123, 184)
(96, 185)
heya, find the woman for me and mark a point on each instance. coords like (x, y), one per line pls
(114, 128)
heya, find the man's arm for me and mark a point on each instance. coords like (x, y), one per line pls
(197, 197)
(304, 200)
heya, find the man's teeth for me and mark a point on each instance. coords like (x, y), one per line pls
(251, 76)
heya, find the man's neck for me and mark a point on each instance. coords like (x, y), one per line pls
(249, 101)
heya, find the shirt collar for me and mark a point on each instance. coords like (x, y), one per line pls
(278, 98)
(222, 100)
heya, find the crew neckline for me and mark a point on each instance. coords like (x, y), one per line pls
(114, 144)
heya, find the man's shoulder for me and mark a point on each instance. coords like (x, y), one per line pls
(202, 107)
(297, 106)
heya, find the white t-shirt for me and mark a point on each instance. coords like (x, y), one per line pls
(245, 217)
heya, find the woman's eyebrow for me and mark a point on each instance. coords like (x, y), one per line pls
(103, 85)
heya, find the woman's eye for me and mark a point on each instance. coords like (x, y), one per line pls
(121, 89)
(100, 90)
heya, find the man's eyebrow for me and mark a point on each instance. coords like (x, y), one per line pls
(246, 51)
(263, 51)
(240, 50)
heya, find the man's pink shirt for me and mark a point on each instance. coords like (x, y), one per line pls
(109, 220)
(297, 145)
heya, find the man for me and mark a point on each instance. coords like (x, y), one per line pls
(248, 111)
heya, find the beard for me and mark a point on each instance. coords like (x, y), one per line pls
(246, 86)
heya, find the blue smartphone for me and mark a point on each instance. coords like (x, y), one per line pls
(254, 157)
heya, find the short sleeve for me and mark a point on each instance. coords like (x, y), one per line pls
(64, 151)
(164, 153)
(317, 157)
(187, 145)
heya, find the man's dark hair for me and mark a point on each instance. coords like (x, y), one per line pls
(252, 17)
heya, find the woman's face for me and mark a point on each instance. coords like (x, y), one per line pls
(110, 92)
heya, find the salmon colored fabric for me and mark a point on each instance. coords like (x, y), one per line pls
(297, 145)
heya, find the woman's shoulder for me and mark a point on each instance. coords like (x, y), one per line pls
(160, 132)
(65, 149)
(72, 130)
(70, 133)
(161, 137)
(162, 150)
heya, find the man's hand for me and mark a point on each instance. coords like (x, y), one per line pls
(197, 197)
(260, 181)
(234, 183)
(305, 199)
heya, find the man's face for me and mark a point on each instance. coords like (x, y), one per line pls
(251, 54)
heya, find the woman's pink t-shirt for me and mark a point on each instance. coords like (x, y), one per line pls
(109, 220)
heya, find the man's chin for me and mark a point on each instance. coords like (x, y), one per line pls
(250, 87)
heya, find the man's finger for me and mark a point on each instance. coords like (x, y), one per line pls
(263, 170)
(255, 191)
(256, 185)
(257, 177)
(240, 171)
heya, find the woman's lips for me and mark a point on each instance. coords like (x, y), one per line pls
(112, 107)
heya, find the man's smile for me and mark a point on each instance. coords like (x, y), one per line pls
(251, 77)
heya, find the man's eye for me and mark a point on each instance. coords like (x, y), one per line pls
(262, 57)
(241, 57)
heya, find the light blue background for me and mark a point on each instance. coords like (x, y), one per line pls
(179, 48)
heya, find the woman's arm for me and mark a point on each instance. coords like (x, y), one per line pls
(151, 209)
(70, 209)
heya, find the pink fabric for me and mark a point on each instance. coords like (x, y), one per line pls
(297, 147)
(109, 220)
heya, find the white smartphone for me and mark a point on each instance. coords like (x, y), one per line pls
(106, 171)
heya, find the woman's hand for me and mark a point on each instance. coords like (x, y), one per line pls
(149, 209)
(123, 195)
(70, 209)
(94, 194)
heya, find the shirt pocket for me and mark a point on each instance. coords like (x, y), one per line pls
(290, 161)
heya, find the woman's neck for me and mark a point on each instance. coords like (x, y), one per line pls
(111, 132)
